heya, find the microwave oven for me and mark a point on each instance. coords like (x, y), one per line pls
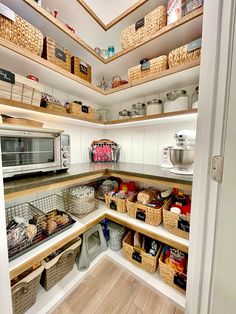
(27, 150)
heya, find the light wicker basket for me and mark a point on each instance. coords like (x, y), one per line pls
(171, 276)
(136, 33)
(22, 33)
(150, 215)
(138, 256)
(184, 54)
(24, 292)
(116, 203)
(156, 65)
(177, 224)
(82, 111)
(56, 54)
(55, 107)
(60, 266)
(81, 69)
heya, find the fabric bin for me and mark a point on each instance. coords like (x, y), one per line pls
(116, 203)
(55, 53)
(150, 24)
(81, 69)
(60, 266)
(82, 111)
(24, 292)
(21, 33)
(138, 256)
(151, 67)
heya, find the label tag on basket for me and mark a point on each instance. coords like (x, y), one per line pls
(139, 23)
(59, 54)
(85, 109)
(137, 257)
(7, 76)
(140, 214)
(183, 224)
(196, 44)
(5, 11)
(113, 205)
(83, 69)
(180, 281)
(145, 66)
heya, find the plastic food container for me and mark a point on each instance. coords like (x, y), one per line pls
(124, 114)
(176, 100)
(103, 114)
(138, 110)
(195, 98)
(154, 106)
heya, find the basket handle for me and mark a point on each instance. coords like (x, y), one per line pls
(23, 287)
(68, 254)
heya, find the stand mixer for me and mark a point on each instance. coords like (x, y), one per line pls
(182, 155)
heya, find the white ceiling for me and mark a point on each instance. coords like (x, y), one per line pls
(108, 10)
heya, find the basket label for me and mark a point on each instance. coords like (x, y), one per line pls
(137, 257)
(83, 69)
(183, 224)
(113, 205)
(196, 44)
(7, 76)
(145, 66)
(140, 214)
(139, 23)
(180, 281)
(5, 11)
(85, 109)
(59, 54)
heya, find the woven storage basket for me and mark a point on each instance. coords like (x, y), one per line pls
(24, 292)
(23, 90)
(150, 215)
(116, 203)
(55, 107)
(60, 266)
(56, 54)
(171, 276)
(156, 65)
(81, 69)
(183, 55)
(22, 33)
(177, 224)
(139, 257)
(85, 112)
(135, 33)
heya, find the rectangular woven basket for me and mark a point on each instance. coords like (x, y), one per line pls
(22, 33)
(55, 107)
(59, 266)
(81, 69)
(82, 111)
(24, 292)
(177, 224)
(171, 276)
(138, 256)
(116, 203)
(147, 26)
(156, 65)
(56, 54)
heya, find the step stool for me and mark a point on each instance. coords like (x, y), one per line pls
(93, 244)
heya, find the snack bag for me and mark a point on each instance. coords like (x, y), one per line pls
(176, 259)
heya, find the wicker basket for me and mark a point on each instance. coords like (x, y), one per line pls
(24, 292)
(56, 54)
(22, 33)
(81, 69)
(177, 224)
(150, 215)
(82, 111)
(116, 203)
(55, 107)
(171, 276)
(154, 66)
(138, 256)
(60, 266)
(23, 90)
(184, 54)
(147, 26)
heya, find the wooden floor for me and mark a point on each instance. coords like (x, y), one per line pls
(108, 288)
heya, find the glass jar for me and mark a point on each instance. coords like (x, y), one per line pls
(154, 106)
(195, 98)
(176, 100)
(104, 53)
(124, 114)
(111, 51)
(103, 114)
(138, 110)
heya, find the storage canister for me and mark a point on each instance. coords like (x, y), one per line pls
(138, 110)
(154, 106)
(124, 114)
(195, 98)
(176, 100)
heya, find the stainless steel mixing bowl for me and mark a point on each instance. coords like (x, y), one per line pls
(182, 157)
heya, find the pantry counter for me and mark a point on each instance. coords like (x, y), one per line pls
(83, 172)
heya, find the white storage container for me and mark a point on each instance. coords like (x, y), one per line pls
(176, 100)
(154, 106)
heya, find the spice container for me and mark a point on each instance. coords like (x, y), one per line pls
(104, 53)
(103, 114)
(138, 110)
(154, 106)
(195, 98)
(176, 100)
(111, 51)
(124, 114)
